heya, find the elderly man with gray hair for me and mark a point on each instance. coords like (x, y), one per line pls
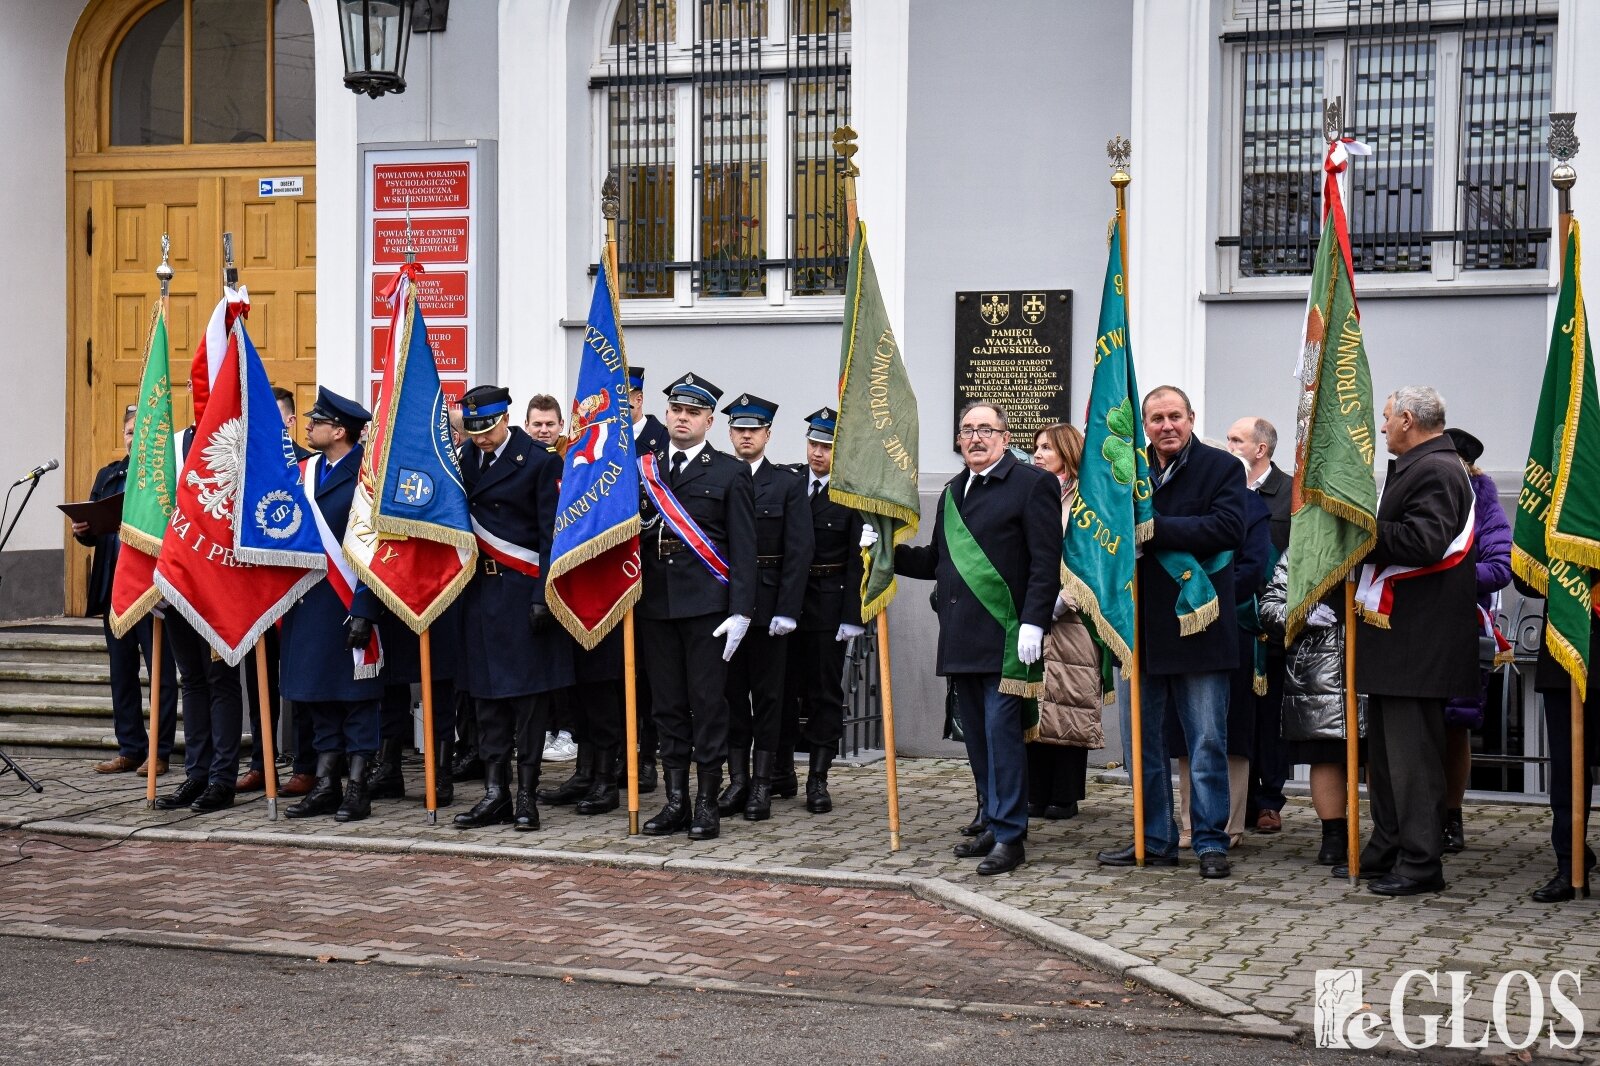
(1417, 645)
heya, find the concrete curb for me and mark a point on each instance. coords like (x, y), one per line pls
(1238, 1017)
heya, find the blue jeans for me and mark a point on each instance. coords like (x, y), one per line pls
(991, 725)
(1200, 703)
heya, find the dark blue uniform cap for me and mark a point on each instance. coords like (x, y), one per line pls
(820, 425)
(750, 412)
(692, 391)
(635, 376)
(331, 407)
(483, 407)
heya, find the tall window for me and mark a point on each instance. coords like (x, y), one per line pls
(1453, 97)
(215, 72)
(718, 118)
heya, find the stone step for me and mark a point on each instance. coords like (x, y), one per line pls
(51, 647)
(62, 679)
(25, 740)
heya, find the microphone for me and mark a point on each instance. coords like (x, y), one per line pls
(37, 472)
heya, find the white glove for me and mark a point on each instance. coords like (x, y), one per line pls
(160, 609)
(849, 631)
(1061, 608)
(1322, 616)
(869, 536)
(781, 626)
(1030, 644)
(735, 626)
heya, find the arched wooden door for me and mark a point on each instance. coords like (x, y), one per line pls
(190, 118)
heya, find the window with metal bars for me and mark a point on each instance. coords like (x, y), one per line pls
(1452, 96)
(748, 94)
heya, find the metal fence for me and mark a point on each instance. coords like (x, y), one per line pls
(863, 696)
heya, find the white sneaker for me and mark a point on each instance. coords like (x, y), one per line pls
(559, 747)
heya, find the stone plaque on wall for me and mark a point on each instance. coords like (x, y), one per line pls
(1015, 348)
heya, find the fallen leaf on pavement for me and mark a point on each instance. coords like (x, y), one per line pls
(324, 958)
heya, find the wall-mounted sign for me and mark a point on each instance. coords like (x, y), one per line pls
(449, 344)
(442, 294)
(426, 186)
(1014, 349)
(437, 240)
(281, 187)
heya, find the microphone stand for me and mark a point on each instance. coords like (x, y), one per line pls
(8, 765)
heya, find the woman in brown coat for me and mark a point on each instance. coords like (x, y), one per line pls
(1069, 711)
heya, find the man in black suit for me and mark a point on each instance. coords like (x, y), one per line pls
(1200, 502)
(1254, 440)
(129, 713)
(1013, 514)
(516, 654)
(1424, 651)
(830, 619)
(698, 549)
(783, 555)
(649, 436)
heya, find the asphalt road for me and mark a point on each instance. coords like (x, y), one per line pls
(66, 1003)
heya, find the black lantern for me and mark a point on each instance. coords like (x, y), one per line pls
(377, 37)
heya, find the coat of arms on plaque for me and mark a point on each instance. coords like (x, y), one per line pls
(1033, 308)
(996, 307)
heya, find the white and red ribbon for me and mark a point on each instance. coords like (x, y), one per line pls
(522, 560)
(682, 524)
(341, 575)
(1375, 591)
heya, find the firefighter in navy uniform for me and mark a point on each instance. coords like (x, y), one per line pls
(514, 653)
(317, 667)
(649, 436)
(783, 554)
(830, 618)
(402, 668)
(690, 620)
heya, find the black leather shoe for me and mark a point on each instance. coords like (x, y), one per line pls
(1342, 873)
(1335, 842)
(495, 806)
(384, 779)
(674, 817)
(737, 794)
(1455, 834)
(647, 775)
(785, 783)
(1214, 865)
(214, 798)
(524, 812)
(707, 820)
(1559, 889)
(1125, 857)
(357, 803)
(326, 795)
(444, 788)
(758, 807)
(818, 800)
(977, 825)
(578, 785)
(1003, 859)
(603, 796)
(982, 844)
(1397, 885)
(1056, 812)
(185, 794)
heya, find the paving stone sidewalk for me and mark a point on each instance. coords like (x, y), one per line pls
(1257, 937)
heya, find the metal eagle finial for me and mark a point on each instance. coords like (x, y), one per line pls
(1333, 119)
(611, 196)
(164, 271)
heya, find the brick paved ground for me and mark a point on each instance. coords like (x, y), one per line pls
(1256, 937)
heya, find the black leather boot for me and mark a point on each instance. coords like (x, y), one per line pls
(738, 791)
(978, 824)
(674, 817)
(444, 786)
(357, 803)
(495, 806)
(707, 821)
(384, 780)
(603, 795)
(785, 783)
(1335, 842)
(647, 773)
(575, 787)
(326, 795)
(1559, 888)
(817, 799)
(525, 814)
(758, 807)
(467, 766)
(1455, 834)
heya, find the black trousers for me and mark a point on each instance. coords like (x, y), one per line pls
(1057, 774)
(688, 689)
(817, 660)
(515, 722)
(213, 706)
(305, 751)
(1558, 726)
(596, 708)
(1269, 759)
(755, 691)
(396, 718)
(130, 712)
(1406, 786)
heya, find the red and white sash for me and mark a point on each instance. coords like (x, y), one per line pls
(1375, 591)
(522, 560)
(680, 521)
(341, 575)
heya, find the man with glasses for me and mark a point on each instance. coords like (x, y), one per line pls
(996, 559)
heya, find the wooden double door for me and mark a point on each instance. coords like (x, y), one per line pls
(123, 216)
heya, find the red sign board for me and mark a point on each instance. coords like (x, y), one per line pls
(437, 240)
(429, 186)
(449, 344)
(440, 294)
(453, 389)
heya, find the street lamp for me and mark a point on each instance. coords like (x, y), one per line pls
(377, 37)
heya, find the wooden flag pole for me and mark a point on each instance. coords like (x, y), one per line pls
(1563, 146)
(430, 772)
(269, 762)
(1352, 738)
(157, 626)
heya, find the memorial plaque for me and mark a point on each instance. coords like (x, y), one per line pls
(1014, 349)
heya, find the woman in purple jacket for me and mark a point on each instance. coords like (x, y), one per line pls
(1462, 716)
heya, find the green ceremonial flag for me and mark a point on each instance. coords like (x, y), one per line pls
(151, 484)
(1557, 529)
(1334, 523)
(1112, 511)
(875, 440)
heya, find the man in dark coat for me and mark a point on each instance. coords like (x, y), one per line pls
(129, 712)
(829, 620)
(321, 632)
(699, 595)
(1424, 650)
(1199, 498)
(649, 437)
(402, 668)
(1013, 514)
(783, 556)
(516, 654)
